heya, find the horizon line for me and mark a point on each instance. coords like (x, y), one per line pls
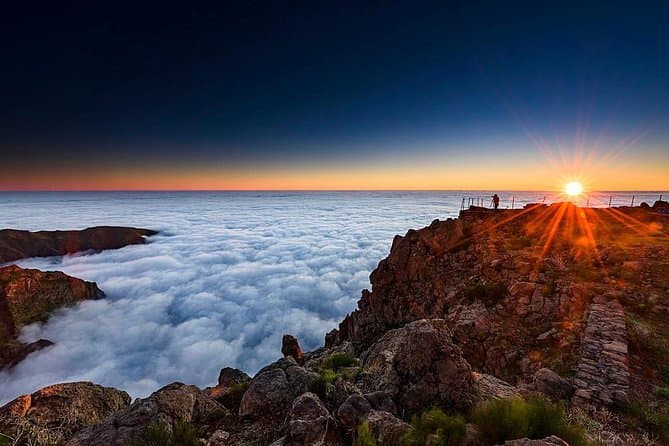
(324, 190)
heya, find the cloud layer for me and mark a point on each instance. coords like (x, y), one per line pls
(227, 276)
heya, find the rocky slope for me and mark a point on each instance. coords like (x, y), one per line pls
(466, 315)
(15, 244)
(28, 296)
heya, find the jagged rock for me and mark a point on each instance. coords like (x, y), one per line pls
(309, 422)
(232, 384)
(229, 376)
(548, 441)
(419, 366)
(291, 347)
(173, 403)
(552, 385)
(28, 296)
(353, 411)
(15, 244)
(387, 428)
(274, 387)
(56, 412)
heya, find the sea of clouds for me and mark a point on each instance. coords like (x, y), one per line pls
(227, 276)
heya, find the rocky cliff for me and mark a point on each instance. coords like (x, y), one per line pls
(548, 322)
(28, 296)
(15, 244)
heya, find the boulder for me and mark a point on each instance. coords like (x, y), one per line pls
(274, 387)
(309, 422)
(353, 411)
(170, 405)
(552, 385)
(488, 387)
(419, 366)
(229, 376)
(232, 385)
(291, 347)
(56, 412)
(15, 244)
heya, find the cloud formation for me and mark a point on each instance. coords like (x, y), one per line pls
(227, 276)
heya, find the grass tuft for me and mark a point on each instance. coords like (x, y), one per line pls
(507, 419)
(435, 428)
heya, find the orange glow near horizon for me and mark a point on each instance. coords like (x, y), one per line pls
(424, 174)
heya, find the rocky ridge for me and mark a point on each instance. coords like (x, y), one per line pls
(28, 296)
(16, 244)
(545, 301)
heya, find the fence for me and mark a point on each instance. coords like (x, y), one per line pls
(596, 200)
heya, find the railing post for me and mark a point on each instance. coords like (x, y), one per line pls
(513, 200)
(610, 198)
(587, 203)
(632, 205)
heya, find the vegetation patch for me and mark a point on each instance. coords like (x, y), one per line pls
(364, 436)
(160, 434)
(335, 366)
(536, 418)
(435, 428)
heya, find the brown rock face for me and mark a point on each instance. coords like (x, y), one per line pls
(56, 412)
(274, 387)
(15, 244)
(309, 422)
(420, 366)
(28, 296)
(173, 403)
(291, 347)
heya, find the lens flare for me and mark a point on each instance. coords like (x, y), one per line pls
(573, 188)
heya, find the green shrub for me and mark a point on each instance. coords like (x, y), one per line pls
(364, 436)
(435, 428)
(5, 440)
(490, 294)
(160, 434)
(325, 377)
(508, 419)
(330, 369)
(338, 361)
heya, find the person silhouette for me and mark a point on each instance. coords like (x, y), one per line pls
(495, 201)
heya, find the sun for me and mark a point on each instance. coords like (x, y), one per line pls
(573, 188)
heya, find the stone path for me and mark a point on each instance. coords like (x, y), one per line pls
(602, 374)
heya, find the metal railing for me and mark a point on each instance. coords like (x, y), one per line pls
(597, 200)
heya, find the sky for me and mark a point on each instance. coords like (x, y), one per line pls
(334, 95)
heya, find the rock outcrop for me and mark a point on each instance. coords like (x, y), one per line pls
(309, 422)
(273, 388)
(493, 305)
(52, 414)
(291, 347)
(419, 366)
(28, 296)
(168, 406)
(15, 244)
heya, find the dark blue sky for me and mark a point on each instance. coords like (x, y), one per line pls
(295, 81)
